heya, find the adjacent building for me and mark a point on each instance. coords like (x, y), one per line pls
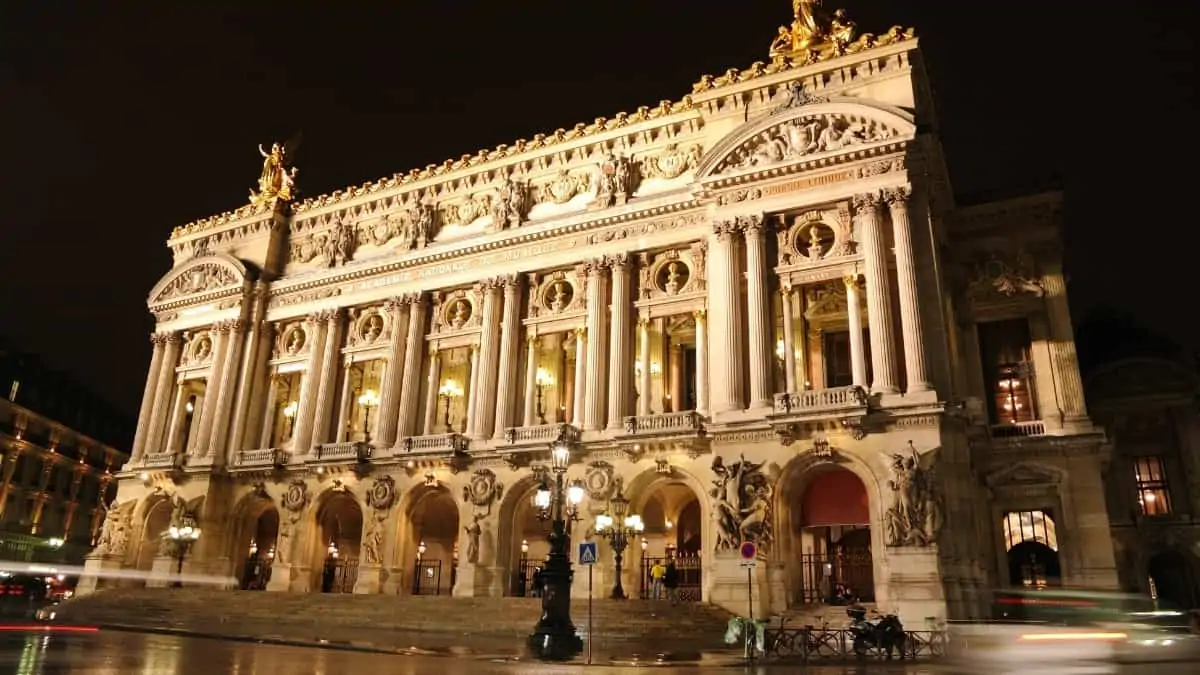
(755, 312)
(60, 447)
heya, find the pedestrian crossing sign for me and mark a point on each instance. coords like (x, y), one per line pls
(587, 553)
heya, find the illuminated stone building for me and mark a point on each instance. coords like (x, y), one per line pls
(59, 461)
(755, 310)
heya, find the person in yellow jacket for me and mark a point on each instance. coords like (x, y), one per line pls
(657, 572)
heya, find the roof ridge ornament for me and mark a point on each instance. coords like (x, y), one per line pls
(277, 182)
(795, 95)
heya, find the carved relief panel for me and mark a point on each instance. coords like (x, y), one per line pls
(674, 280)
(292, 342)
(559, 296)
(564, 186)
(816, 236)
(671, 163)
(804, 137)
(466, 211)
(825, 305)
(457, 311)
(197, 350)
(369, 329)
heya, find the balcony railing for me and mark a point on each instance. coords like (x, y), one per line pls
(165, 460)
(541, 435)
(689, 422)
(833, 400)
(1017, 430)
(264, 457)
(435, 443)
(352, 451)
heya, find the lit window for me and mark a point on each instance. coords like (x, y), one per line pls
(1021, 526)
(1014, 400)
(1154, 497)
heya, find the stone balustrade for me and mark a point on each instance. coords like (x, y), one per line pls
(1017, 430)
(435, 443)
(666, 423)
(542, 434)
(264, 457)
(833, 400)
(353, 451)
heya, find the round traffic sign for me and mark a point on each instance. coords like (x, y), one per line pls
(749, 550)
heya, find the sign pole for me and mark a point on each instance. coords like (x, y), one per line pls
(591, 634)
(750, 602)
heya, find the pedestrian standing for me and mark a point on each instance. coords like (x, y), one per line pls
(657, 571)
(671, 582)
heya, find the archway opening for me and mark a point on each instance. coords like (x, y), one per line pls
(153, 540)
(1032, 542)
(339, 529)
(255, 537)
(831, 516)
(673, 535)
(528, 546)
(435, 528)
(1172, 582)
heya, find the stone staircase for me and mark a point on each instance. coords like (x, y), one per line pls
(440, 619)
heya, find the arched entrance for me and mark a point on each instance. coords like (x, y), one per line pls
(828, 552)
(254, 538)
(1031, 539)
(339, 538)
(1172, 580)
(671, 512)
(522, 542)
(153, 535)
(428, 542)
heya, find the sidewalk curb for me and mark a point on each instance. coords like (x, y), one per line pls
(370, 648)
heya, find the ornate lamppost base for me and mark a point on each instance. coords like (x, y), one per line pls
(555, 644)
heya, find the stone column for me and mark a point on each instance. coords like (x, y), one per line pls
(531, 366)
(155, 435)
(702, 362)
(267, 436)
(231, 373)
(174, 442)
(916, 373)
(644, 382)
(431, 396)
(858, 357)
(675, 373)
(347, 401)
(315, 329)
(410, 396)
(472, 393)
(329, 384)
(158, 342)
(879, 294)
(758, 309)
(789, 338)
(580, 376)
(257, 356)
(593, 412)
(212, 389)
(1064, 358)
(510, 341)
(724, 290)
(489, 358)
(393, 374)
(620, 362)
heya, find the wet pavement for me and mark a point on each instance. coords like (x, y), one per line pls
(124, 653)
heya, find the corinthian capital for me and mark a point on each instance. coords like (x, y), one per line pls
(511, 282)
(616, 260)
(866, 204)
(725, 229)
(897, 197)
(160, 338)
(751, 224)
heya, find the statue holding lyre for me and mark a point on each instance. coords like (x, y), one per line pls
(277, 181)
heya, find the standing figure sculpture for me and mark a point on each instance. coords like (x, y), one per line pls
(915, 517)
(277, 181)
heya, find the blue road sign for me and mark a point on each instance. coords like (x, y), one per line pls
(587, 553)
(749, 550)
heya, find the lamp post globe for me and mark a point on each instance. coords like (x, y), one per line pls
(554, 637)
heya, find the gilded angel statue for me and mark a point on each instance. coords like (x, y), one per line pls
(278, 178)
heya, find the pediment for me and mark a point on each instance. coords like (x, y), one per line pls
(1024, 474)
(822, 130)
(200, 276)
(1132, 378)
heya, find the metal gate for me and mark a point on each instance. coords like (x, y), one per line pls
(428, 578)
(822, 573)
(256, 573)
(523, 579)
(688, 568)
(339, 575)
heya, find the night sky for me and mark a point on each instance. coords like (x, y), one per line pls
(117, 125)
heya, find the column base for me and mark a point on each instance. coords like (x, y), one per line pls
(914, 585)
(95, 574)
(162, 571)
(289, 578)
(732, 585)
(370, 581)
(465, 581)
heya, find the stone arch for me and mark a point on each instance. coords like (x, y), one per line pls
(336, 516)
(899, 125)
(428, 513)
(680, 497)
(1173, 573)
(253, 519)
(804, 570)
(152, 517)
(208, 274)
(513, 515)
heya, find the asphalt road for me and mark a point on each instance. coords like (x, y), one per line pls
(120, 653)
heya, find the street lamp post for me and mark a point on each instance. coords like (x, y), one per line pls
(450, 390)
(369, 399)
(183, 538)
(554, 637)
(618, 528)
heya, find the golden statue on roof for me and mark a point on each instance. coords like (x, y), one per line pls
(813, 34)
(277, 182)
